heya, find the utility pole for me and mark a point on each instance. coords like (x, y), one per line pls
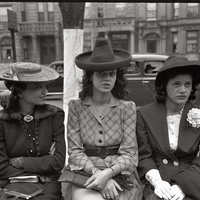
(73, 18)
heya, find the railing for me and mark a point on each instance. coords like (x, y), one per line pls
(38, 27)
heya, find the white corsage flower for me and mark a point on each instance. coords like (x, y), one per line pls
(193, 117)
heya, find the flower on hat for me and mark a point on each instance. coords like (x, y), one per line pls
(193, 117)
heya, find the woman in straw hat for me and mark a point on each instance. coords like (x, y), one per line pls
(101, 128)
(168, 133)
(31, 132)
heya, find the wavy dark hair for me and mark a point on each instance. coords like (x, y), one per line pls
(162, 81)
(118, 91)
(10, 104)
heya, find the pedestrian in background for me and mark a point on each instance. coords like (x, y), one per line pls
(101, 128)
(168, 133)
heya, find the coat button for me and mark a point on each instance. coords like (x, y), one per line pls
(100, 141)
(165, 161)
(100, 132)
(176, 163)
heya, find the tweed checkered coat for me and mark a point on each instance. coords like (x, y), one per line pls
(116, 126)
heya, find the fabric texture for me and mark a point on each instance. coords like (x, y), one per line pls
(154, 147)
(115, 127)
(32, 140)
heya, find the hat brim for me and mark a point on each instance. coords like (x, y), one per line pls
(48, 75)
(122, 59)
(193, 67)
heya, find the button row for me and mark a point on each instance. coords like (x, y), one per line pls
(175, 163)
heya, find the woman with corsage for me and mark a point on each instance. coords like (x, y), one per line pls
(32, 145)
(168, 133)
(101, 128)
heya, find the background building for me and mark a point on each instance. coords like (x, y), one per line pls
(164, 28)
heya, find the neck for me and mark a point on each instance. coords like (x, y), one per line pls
(101, 99)
(26, 109)
(173, 109)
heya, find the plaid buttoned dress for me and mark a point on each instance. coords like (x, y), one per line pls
(116, 126)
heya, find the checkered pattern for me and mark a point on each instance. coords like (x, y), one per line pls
(119, 129)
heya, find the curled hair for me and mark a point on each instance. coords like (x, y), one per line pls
(118, 91)
(160, 87)
(11, 103)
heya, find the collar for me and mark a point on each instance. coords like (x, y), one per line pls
(88, 101)
(40, 112)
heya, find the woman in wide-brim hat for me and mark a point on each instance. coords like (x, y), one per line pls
(168, 133)
(31, 132)
(101, 128)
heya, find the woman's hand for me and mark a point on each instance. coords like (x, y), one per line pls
(17, 162)
(98, 180)
(111, 190)
(177, 193)
(162, 189)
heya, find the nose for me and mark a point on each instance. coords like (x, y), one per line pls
(44, 89)
(182, 89)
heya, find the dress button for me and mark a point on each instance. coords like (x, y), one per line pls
(100, 141)
(165, 161)
(31, 150)
(101, 132)
(176, 163)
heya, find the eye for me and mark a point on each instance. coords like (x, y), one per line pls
(111, 74)
(100, 73)
(176, 84)
(188, 84)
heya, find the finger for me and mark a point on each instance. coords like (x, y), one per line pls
(118, 186)
(89, 181)
(52, 152)
(52, 146)
(115, 194)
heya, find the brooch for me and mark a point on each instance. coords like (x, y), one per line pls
(28, 118)
(193, 117)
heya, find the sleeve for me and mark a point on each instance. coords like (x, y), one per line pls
(146, 161)
(128, 150)
(55, 162)
(6, 170)
(78, 160)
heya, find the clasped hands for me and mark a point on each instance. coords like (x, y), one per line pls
(164, 190)
(103, 182)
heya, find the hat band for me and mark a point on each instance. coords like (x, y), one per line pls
(20, 76)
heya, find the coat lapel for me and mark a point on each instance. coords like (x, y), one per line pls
(157, 122)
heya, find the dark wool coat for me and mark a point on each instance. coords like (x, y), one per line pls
(32, 140)
(154, 148)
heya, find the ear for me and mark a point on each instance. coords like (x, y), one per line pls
(20, 94)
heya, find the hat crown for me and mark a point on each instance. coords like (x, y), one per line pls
(102, 51)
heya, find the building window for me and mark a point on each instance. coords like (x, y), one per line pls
(3, 13)
(151, 11)
(23, 12)
(192, 41)
(100, 11)
(119, 41)
(6, 48)
(174, 42)
(40, 11)
(151, 43)
(192, 9)
(50, 11)
(120, 6)
(176, 10)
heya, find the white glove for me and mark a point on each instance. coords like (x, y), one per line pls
(161, 188)
(177, 193)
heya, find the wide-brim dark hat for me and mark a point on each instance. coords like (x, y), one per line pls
(175, 63)
(103, 57)
(27, 72)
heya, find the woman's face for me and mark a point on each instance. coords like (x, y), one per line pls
(179, 89)
(34, 94)
(104, 81)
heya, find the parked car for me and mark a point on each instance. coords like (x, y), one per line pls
(140, 75)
